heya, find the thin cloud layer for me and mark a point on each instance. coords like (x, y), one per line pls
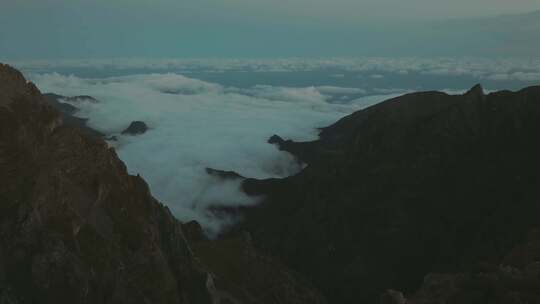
(522, 69)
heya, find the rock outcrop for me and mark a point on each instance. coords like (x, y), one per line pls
(423, 183)
(75, 227)
(135, 128)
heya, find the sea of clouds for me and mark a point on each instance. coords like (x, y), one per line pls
(196, 124)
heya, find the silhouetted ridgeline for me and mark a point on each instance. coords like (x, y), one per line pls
(423, 183)
(76, 228)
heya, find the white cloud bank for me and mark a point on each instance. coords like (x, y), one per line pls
(196, 124)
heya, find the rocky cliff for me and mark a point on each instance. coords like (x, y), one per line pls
(423, 183)
(75, 227)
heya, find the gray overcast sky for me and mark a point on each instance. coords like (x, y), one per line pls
(245, 28)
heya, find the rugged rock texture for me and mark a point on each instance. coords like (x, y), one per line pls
(423, 183)
(242, 275)
(76, 228)
(136, 128)
(515, 280)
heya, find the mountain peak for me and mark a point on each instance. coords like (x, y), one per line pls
(476, 91)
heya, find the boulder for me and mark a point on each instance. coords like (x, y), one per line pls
(136, 128)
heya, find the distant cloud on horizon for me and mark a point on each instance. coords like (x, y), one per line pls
(262, 28)
(522, 69)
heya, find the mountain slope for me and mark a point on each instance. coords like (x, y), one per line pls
(426, 182)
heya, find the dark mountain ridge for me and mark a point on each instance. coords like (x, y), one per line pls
(422, 183)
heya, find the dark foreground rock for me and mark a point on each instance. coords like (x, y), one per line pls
(240, 270)
(516, 279)
(75, 227)
(136, 128)
(423, 183)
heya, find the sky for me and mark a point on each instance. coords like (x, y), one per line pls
(42, 29)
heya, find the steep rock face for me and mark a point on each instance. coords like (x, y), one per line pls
(426, 182)
(75, 227)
